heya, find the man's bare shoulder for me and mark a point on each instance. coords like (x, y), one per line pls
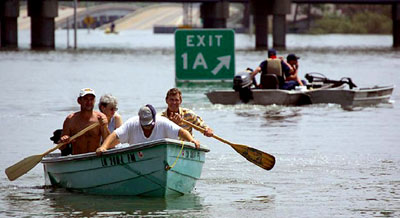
(96, 113)
(72, 116)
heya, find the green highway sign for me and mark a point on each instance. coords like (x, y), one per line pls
(204, 55)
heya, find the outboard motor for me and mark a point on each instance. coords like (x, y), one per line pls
(242, 83)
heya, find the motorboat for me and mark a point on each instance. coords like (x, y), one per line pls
(319, 89)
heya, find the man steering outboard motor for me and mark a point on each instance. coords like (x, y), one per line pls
(242, 83)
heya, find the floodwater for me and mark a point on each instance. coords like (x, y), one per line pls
(330, 162)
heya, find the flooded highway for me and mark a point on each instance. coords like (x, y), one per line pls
(330, 162)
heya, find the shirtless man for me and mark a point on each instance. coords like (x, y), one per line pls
(77, 121)
(293, 79)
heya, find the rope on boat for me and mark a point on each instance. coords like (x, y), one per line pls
(177, 157)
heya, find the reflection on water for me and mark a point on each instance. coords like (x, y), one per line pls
(65, 203)
(89, 205)
(203, 86)
(282, 114)
(273, 114)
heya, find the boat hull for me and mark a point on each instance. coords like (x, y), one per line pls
(353, 97)
(260, 97)
(335, 95)
(135, 170)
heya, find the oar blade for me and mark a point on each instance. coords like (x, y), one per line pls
(259, 158)
(15, 171)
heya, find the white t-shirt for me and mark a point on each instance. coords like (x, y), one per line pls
(131, 131)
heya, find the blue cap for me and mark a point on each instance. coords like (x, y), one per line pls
(271, 52)
(292, 57)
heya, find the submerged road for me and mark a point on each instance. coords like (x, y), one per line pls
(157, 15)
(144, 18)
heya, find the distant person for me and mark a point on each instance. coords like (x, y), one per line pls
(108, 105)
(145, 127)
(77, 121)
(273, 66)
(175, 113)
(112, 27)
(293, 79)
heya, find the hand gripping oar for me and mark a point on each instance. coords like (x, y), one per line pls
(15, 171)
(257, 157)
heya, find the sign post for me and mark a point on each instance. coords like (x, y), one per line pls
(204, 55)
(88, 20)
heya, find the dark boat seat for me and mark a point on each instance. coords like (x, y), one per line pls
(269, 81)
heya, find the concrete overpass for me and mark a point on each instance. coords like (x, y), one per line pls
(214, 14)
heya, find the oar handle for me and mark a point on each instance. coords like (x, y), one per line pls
(80, 133)
(202, 130)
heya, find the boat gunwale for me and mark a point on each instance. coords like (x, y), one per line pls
(383, 97)
(290, 92)
(375, 89)
(135, 147)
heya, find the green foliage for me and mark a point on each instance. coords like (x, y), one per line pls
(358, 23)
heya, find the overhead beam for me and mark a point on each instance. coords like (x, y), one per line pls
(294, 1)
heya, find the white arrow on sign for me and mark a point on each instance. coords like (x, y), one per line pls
(223, 61)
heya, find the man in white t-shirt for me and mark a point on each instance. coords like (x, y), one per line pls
(146, 127)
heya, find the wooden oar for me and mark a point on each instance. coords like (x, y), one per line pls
(257, 157)
(15, 171)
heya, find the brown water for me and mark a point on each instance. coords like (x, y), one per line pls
(330, 162)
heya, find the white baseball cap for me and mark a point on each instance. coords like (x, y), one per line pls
(145, 116)
(86, 91)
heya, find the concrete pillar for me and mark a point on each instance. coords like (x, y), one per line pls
(279, 31)
(214, 14)
(42, 13)
(261, 31)
(9, 12)
(280, 9)
(261, 9)
(396, 25)
(246, 16)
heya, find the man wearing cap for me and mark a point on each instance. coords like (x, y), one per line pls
(77, 121)
(175, 113)
(145, 127)
(293, 79)
(273, 65)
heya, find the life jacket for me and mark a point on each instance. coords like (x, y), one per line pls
(272, 77)
(274, 66)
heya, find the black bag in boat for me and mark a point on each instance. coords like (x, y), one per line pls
(56, 137)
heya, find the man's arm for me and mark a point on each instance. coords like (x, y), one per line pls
(110, 142)
(291, 69)
(103, 125)
(66, 132)
(295, 74)
(118, 121)
(196, 120)
(254, 73)
(296, 67)
(199, 122)
(184, 134)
